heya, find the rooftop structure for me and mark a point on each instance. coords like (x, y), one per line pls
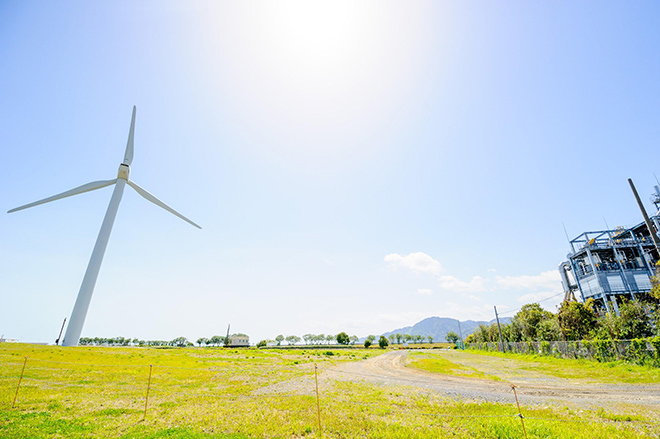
(609, 265)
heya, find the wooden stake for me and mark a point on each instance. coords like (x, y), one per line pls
(318, 403)
(19, 383)
(148, 387)
(519, 412)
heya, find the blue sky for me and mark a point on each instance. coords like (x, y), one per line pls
(355, 166)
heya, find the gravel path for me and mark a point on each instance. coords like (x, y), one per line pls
(532, 387)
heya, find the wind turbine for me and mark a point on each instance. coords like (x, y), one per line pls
(72, 335)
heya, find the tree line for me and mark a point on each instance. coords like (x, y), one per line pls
(575, 321)
(216, 340)
(343, 339)
(311, 339)
(409, 338)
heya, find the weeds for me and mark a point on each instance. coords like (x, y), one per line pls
(247, 393)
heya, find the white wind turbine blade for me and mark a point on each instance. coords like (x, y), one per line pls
(79, 190)
(157, 202)
(128, 156)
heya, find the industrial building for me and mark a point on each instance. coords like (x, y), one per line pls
(609, 265)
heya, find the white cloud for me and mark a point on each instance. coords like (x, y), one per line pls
(536, 297)
(537, 287)
(526, 288)
(548, 280)
(417, 262)
(452, 283)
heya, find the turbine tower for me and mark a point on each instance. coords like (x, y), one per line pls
(72, 335)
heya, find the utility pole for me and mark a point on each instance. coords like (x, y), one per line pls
(57, 342)
(499, 328)
(460, 332)
(647, 221)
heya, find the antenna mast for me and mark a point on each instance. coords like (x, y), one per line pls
(649, 226)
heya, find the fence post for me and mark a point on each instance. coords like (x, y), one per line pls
(318, 403)
(519, 412)
(19, 383)
(146, 401)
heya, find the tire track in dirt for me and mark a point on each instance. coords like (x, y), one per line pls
(390, 369)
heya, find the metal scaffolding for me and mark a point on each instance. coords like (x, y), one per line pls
(608, 265)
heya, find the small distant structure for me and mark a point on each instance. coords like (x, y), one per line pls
(238, 341)
(9, 340)
(609, 265)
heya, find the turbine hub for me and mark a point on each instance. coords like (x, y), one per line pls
(124, 171)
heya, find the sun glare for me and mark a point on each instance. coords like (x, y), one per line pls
(319, 72)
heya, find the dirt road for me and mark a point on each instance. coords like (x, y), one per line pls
(532, 387)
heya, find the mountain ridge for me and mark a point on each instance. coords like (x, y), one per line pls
(439, 327)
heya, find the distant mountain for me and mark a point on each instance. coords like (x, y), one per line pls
(439, 327)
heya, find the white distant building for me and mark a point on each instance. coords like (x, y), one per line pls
(238, 340)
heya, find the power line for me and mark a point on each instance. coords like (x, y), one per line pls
(538, 301)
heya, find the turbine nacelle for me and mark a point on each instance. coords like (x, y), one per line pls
(124, 171)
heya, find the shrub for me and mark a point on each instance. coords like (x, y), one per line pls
(382, 342)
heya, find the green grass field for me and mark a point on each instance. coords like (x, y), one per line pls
(578, 370)
(90, 392)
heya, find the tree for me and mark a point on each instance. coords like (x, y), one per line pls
(262, 344)
(343, 338)
(549, 330)
(308, 338)
(329, 338)
(371, 338)
(279, 339)
(367, 343)
(179, 342)
(452, 337)
(430, 338)
(529, 317)
(655, 282)
(635, 320)
(293, 339)
(398, 338)
(382, 342)
(391, 338)
(202, 341)
(216, 340)
(354, 339)
(576, 320)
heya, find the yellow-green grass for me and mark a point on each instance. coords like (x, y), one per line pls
(431, 362)
(579, 369)
(91, 392)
